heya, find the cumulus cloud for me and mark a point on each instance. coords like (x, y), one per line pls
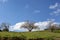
(56, 11)
(42, 25)
(17, 27)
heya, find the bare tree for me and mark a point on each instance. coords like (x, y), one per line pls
(0, 29)
(29, 25)
(51, 26)
(4, 26)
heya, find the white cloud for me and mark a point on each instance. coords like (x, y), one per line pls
(53, 6)
(17, 27)
(42, 25)
(56, 11)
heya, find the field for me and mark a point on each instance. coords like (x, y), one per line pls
(31, 35)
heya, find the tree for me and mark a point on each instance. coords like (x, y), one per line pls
(0, 29)
(4, 26)
(51, 26)
(29, 25)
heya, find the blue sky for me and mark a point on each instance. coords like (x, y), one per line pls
(13, 11)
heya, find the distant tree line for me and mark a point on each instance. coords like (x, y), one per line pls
(30, 26)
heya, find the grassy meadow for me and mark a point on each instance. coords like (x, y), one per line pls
(31, 35)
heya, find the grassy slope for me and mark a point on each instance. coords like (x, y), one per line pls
(40, 34)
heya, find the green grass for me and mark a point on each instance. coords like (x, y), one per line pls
(28, 35)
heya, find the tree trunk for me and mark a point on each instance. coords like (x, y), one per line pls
(29, 30)
(52, 30)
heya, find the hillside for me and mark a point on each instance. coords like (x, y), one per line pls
(31, 35)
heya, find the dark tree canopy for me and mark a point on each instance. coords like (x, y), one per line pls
(4, 27)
